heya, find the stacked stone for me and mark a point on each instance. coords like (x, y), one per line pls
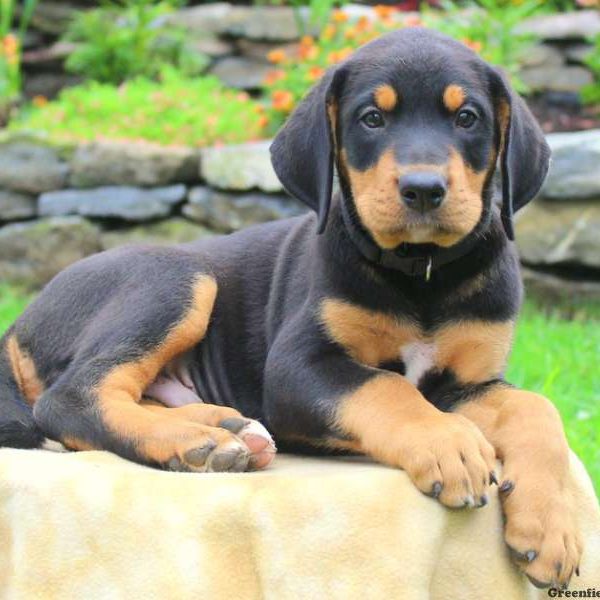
(559, 233)
(59, 204)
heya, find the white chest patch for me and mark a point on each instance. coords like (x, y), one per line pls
(418, 359)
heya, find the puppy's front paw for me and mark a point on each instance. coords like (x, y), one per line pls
(449, 459)
(541, 530)
(256, 437)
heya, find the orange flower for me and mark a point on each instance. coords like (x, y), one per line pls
(344, 53)
(328, 32)
(315, 73)
(274, 76)
(282, 100)
(263, 121)
(350, 33)
(363, 23)
(39, 101)
(340, 55)
(276, 56)
(339, 16)
(308, 52)
(413, 21)
(383, 11)
(307, 41)
(473, 44)
(10, 45)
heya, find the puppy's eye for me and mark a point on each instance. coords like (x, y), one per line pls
(373, 119)
(465, 118)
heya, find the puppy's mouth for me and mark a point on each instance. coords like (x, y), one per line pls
(423, 229)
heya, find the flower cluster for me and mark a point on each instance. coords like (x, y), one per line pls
(10, 67)
(296, 71)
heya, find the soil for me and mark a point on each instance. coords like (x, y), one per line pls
(566, 114)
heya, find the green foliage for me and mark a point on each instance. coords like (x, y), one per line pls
(591, 93)
(490, 27)
(129, 38)
(174, 111)
(11, 45)
(12, 304)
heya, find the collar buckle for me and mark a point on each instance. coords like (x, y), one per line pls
(428, 268)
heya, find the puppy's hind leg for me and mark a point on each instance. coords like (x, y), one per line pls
(94, 404)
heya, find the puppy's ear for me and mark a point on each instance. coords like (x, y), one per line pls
(303, 151)
(524, 153)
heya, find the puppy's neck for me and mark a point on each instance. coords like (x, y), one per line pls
(347, 244)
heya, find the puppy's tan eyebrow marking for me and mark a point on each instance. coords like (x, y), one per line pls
(386, 97)
(454, 97)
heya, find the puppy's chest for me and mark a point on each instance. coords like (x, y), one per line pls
(474, 351)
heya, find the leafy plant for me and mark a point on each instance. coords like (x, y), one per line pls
(129, 38)
(591, 93)
(490, 28)
(11, 44)
(176, 110)
(295, 73)
(550, 5)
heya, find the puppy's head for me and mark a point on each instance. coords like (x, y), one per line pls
(416, 125)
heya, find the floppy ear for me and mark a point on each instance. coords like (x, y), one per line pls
(303, 151)
(524, 153)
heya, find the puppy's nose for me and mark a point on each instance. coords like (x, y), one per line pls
(422, 191)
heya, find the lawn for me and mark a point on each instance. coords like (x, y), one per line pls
(553, 355)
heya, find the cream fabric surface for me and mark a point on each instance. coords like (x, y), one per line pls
(90, 525)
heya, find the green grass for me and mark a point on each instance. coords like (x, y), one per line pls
(559, 359)
(177, 110)
(12, 304)
(553, 355)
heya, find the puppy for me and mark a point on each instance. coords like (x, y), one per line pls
(387, 334)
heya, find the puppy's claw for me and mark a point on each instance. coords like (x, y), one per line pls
(537, 583)
(506, 487)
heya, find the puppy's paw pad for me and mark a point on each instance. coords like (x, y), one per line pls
(231, 458)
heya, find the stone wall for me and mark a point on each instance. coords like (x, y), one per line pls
(59, 204)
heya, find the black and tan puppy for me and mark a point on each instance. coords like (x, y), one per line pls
(388, 334)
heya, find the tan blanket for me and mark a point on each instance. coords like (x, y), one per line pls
(92, 526)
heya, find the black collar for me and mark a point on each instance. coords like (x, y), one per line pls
(415, 260)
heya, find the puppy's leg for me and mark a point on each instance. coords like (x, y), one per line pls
(527, 432)
(94, 404)
(314, 392)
